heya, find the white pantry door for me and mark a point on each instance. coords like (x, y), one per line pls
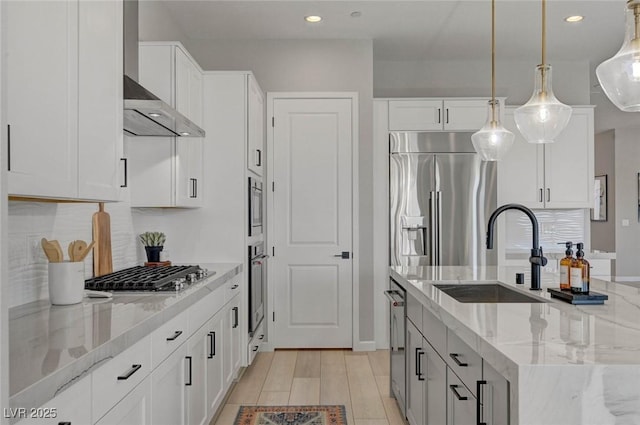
(312, 223)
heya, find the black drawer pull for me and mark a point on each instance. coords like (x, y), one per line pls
(420, 374)
(479, 402)
(190, 370)
(212, 351)
(255, 348)
(261, 337)
(64, 423)
(175, 336)
(126, 177)
(234, 286)
(134, 369)
(235, 317)
(455, 356)
(456, 393)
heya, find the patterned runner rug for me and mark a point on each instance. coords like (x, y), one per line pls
(291, 415)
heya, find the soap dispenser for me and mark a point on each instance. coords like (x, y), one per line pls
(579, 272)
(565, 266)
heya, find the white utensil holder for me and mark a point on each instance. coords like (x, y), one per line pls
(66, 282)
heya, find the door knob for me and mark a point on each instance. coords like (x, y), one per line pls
(344, 255)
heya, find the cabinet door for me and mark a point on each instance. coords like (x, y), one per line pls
(435, 397)
(72, 405)
(41, 47)
(231, 339)
(415, 378)
(415, 115)
(494, 396)
(461, 404)
(100, 134)
(151, 171)
(189, 190)
(198, 350)
(521, 171)
(155, 73)
(256, 131)
(464, 115)
(569, 164)
(236, 337)
(134, 409)
(168, 383)
(217, 342)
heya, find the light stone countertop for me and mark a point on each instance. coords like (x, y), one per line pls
(50, 347)
(566, 364)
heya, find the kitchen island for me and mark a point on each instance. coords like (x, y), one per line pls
(51, 348)
(565, 364)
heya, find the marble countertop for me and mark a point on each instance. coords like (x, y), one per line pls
(537, 346)
(593, 255)
(51, 346)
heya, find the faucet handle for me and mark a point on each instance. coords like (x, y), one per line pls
(537, 257)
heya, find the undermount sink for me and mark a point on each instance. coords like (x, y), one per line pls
(487, 293)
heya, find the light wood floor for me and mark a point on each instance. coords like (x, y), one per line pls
(358, 380)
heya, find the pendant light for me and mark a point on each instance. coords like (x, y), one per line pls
(493, 140)
(619, 76)
(543, 117)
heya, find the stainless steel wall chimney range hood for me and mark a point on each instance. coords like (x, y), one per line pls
(144, 113)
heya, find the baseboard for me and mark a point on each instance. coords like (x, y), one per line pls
(364, 346)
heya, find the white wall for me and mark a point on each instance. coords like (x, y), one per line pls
(156, 24)
(603, 233)
(571, 80)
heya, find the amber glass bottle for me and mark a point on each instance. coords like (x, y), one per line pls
(565, 266)
(579, 273)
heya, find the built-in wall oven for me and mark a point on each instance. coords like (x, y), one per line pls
(396, 296)
(257, 285)
(255, 207)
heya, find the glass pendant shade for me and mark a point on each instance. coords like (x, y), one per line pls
(619, 76)
(493, 140)
(543, 117)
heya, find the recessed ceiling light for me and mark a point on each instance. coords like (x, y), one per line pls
(313, 18)
(356, 14)
(154, 114)
(574, 18)
(185, 133)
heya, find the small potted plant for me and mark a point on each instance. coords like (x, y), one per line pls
(153, 243)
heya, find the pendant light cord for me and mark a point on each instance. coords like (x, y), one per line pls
(544, 31)
(493, 61)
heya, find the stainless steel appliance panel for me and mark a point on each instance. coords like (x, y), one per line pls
(255, 207)
(396, 296)
(257, 285)
(411, 184)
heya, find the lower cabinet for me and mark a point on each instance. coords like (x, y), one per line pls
(232, 356)
(435, 370)
(72, 406)
(415, 380)
(168, 383)
(215, 355)
(461, 402)
(198, 347)
(134, 409)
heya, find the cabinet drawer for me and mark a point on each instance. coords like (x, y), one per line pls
(203, 310)
(256, 342)
(72, 405)
(462, 360)
(415, 115)
(168, 337)
(434, 331)
(461, 402)
(414, 311)
(119, 376)
(232, 288)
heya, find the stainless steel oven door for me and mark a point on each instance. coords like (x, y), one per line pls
(255, 207)
(257, 280)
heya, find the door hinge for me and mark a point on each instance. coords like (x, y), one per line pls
(274, 316)
(273, 121)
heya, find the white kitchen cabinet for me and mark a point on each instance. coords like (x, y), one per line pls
(168, 383)
(168, 171)
(231, 338)
(415, 379)
(215, 357)
(437, 114)
(461, 402)
(196, 393)
(71, 406)
(64, 99)
(555, 175)
(255, 127)
(134, 409)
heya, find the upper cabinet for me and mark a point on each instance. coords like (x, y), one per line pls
(555, 175)
(168, 171)
(437, 114)
(63, 87)
(256, 132)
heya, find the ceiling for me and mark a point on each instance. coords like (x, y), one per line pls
(419, 29)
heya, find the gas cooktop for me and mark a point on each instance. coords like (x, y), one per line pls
(148, 278)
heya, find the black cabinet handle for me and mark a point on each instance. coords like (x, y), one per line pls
(479, 402)
(548, 195)
(235, 317)
(126, 176)
(439, 119)
(420, 374)
(212, 351)
(193, 188)
(234, 286)
(64, 423)
(447, 111)
(134, 369)
(540, 194)
(9, 147)
(261, 337)
(456, 393)
(190, 359)
(455, 356)
(255, 348)
(259, 162)
(175, 335)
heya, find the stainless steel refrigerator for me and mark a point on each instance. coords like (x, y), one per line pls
(441, 196)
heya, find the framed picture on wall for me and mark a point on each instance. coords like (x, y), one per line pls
(599, 210)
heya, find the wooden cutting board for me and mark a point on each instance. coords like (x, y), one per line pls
(102, 262)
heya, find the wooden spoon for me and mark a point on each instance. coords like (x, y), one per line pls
(58, 248)
(50, 251)
(76, 249)
(86, 250)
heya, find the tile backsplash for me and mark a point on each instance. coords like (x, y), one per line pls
(29, 222)
(555, 227)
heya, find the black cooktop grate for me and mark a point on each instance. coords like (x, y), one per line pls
(140, 278)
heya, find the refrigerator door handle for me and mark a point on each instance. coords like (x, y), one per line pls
(433, 232)
(438, 224)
